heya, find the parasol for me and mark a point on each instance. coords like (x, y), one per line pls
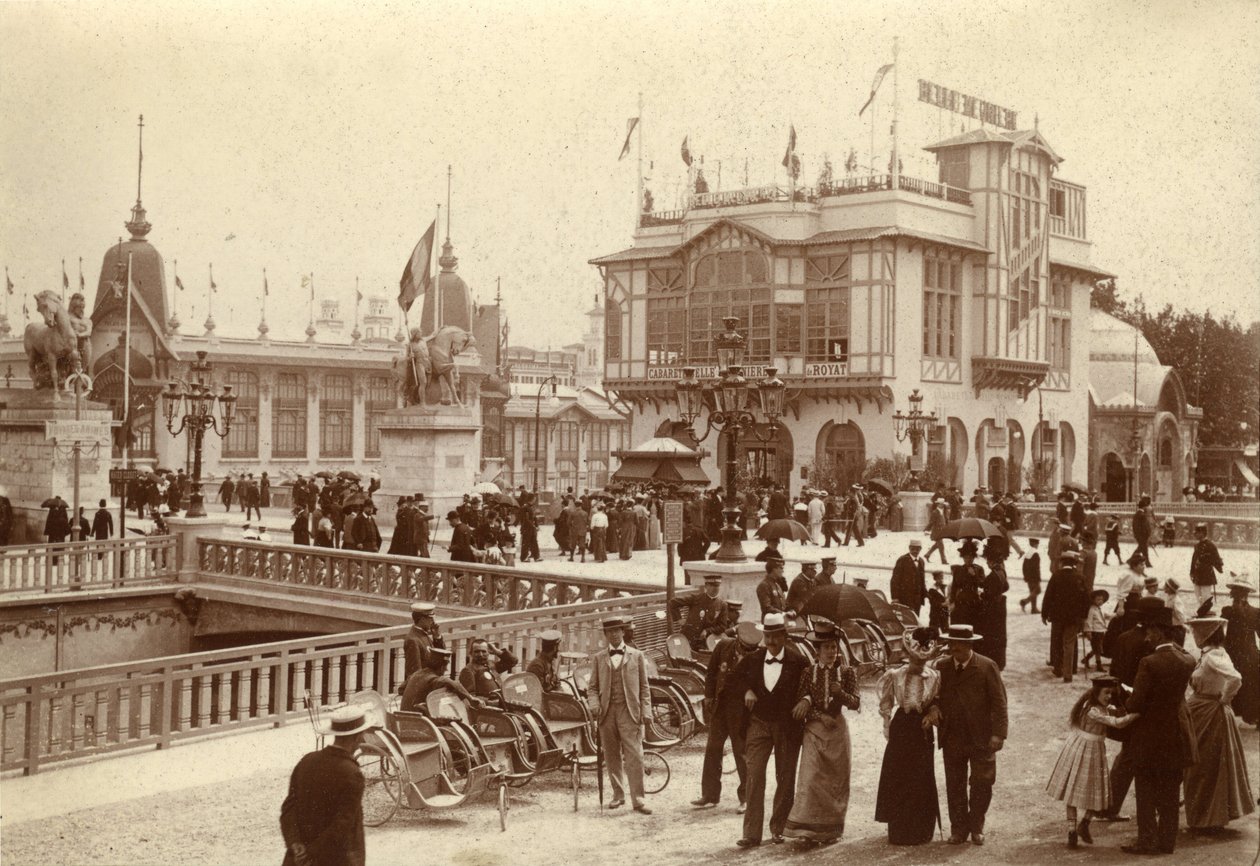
(881, 485)
(486, 487)
(969, 527)
(840, 601)
(783, 528)
(349, 476)
(325, 474)
(500, 499)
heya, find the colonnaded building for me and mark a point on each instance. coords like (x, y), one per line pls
(317, 403)
(974, 289)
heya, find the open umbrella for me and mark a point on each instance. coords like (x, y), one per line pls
(486, 487)
(783, 528)
(325, 474)
(500, 499)
(1076, 488)
(51, 502)
(349, 476)
(969, 527)
(881, 485)
(840, 601)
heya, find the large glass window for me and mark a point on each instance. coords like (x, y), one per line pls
(942, 302)
(242, 439)
(491, 429)
(827, 308)
(288, 416)
(666, 330)
(954, 166)
(787, 329)
(336, 417)
(612, 330)
(735, 284)
(380, 399)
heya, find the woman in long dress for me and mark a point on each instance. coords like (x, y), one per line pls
(1242, 626)
(1216, 788)
(993, 603)
(1079, 777)
(964, 590)
(822, 781)
(907, 800)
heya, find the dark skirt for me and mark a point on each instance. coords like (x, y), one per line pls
(907, 801)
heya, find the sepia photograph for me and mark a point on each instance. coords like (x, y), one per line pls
(574, 431)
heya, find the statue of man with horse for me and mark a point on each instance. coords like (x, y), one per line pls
(429, 359)
(55, 346)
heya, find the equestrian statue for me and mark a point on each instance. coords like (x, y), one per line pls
(55, 346)
(431, 359)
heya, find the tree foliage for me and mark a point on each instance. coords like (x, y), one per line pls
(1217, 359)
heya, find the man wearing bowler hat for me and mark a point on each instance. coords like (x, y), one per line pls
(421, 638)
(725, 713)
(769, 678)
(1065, 607)
(909, 581)
(321, 819)
(619, 697)
(971, 714)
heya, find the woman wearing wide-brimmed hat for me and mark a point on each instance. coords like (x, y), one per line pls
(964, 591)
(822, 783)
(1216, 787)
(1242, 625)
(907, 800)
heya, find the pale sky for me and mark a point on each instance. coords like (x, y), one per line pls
(319, 133)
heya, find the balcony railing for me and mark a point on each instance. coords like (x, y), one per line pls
(45, 568)
(776, 193)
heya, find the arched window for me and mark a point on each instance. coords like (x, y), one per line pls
(612, 330)
(242, 439)
(288, 416)
(845, 449)
(734, 283)
(491, 429)
(1165, 453)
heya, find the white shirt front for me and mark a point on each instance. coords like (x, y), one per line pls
(771, 673)
(615, 660)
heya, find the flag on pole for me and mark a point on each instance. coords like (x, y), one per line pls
(358, 297)
(631, 123)
(65, 278)
(214, 287)
(879, 77)
(686, 151)
(8, 284)
(266, 289)
(791, 148)
(179, 284)
(417, 276)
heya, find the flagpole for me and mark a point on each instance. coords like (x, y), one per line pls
(264, 296)
(638, 194)
(436, 264)
(896, 168)
(209, 294)
(126, 376)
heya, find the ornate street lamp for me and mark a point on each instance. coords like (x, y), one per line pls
(194, 405)
(731, 395)
(913, 425)
(552, 401)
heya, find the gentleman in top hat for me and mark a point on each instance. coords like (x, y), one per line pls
(543, 665)
(772, 590)
(429, 679)
(461, 545)
(803, 586)
(909, 579)
(321, 819)
(769, 678)
(1242, 624)
(706, 613)
(971, 714)
(1065, 607)
(618, 696)
(725, 713)
(422, 637)
(1205, 564)
(1162, 740)
(486, 662)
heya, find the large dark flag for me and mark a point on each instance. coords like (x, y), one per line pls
(631, 123)
(879, 78)
(686, 151)
(418, 274)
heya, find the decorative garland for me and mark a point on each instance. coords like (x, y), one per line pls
(91, 622)
(24, 628)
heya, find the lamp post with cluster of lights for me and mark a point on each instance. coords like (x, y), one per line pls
(732, 414)
(914, 425)
(194, 404)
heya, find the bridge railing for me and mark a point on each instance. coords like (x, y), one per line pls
(33, 568)
(160, 702)
(460, 584)
(1235, 525)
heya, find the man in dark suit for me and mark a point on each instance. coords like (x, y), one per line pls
(102, 523)
(481, 676)
(972, 718)
(321, 819)
(543, 665)
(772, 591)
(706, 613)
(619, 697)
(769, 678)
(909, 581)
(422, 637)
(1065, 606)
(803, 586)
(1129, 650)
(1162, 741)
(777, 507)
(725, 713)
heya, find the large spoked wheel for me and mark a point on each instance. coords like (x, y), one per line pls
(655, 772)
(728, 760)
(667, 713)
(382, 789)
(463, 757)
(503, 808)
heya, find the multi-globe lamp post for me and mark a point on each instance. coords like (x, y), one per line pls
(914, 425)
(195, 404)
(732, 414)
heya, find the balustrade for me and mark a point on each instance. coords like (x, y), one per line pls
(87, 564)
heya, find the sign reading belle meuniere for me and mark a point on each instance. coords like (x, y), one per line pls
(672, 531)
(825, 370)
(967, 106)
(76, 431)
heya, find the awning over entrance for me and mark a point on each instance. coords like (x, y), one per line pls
(660, 468)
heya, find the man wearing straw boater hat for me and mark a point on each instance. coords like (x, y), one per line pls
(972, 718)
(321, 819)
(619, 697)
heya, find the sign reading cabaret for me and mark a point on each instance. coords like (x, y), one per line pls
(752, 373)
(967, 106)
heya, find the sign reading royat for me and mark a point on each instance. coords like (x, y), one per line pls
(672, 530)
(967, 106)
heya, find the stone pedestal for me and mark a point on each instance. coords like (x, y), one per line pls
(37, 437)
(739, 582)
(186, 531)
(430, 450)
(915, 506)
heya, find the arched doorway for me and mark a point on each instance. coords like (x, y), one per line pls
(996, 475)
(758, 462)
(1146, 476)
(1067, 452)
(840, 455)
(1015, 466)
(957, 451)
(1170, 469)
(1113, 478)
